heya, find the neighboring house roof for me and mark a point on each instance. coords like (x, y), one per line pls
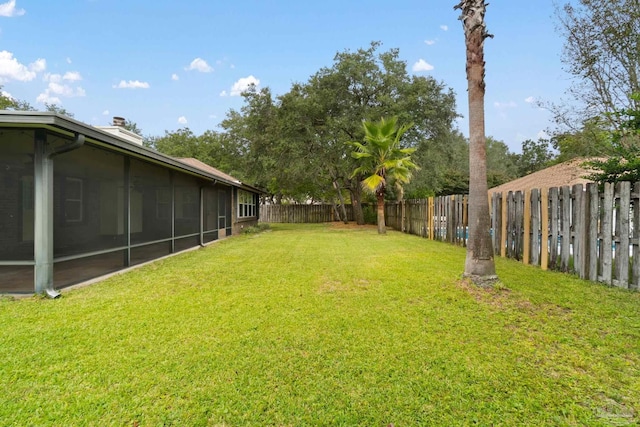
(207, 168)
(568, 173)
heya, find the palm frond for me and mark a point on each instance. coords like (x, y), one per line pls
(373, 182)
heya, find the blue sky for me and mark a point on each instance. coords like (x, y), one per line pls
(166, 64)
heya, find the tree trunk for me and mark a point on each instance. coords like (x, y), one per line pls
(356, 201)
(479, 264)
(344, 218)
(382, 227)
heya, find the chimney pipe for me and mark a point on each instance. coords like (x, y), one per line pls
(119, 121)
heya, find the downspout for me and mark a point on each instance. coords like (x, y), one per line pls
(43, 217)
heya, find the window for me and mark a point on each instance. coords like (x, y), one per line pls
(246, 204)
(73, 200)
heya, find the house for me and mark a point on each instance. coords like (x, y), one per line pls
(568, 173)
(78, 202)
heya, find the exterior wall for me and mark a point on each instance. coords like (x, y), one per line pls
(239, 220)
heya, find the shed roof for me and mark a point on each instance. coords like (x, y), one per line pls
(567, 173)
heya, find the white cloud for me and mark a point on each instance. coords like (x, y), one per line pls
(505, 105)
(224, 93)
(243, 84)
(57, 88)
(68, 60)
(46, 98)
(175, 77)
(105, 113)
(9, 10)
(444, 27)
(430, 42)
(422, 65)
(6, 94)
(182, 120)
(530, 100)
(11, 69)
(38, 66)
(199, 64)
(131, 84)
(72, 76)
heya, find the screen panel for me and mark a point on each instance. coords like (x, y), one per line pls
(68, 273)
(149, 252)
(151, 198)
(16, 195)
(16, 279)
(89, 201)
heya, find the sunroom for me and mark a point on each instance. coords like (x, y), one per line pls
(78, 202)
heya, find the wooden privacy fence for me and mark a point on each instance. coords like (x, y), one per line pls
(575, 229)
(308, 214)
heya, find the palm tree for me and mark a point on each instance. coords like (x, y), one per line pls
(479, 265)
(382, 160)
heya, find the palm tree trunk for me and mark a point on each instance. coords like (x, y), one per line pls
(479, 264)
(382, 228)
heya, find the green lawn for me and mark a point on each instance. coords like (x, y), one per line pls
(318, 325)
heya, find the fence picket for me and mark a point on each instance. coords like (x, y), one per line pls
(544, 229)
(535, 226)
(591, 234)
(623, 192)
(635, 243)
(526, 237)
(606, 231)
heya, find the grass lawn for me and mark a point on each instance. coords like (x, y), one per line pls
(322, 325)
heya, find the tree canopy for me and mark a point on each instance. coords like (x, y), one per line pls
(602, 53)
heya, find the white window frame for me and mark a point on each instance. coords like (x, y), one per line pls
(246, 204)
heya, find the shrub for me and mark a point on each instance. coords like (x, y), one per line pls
(258, 228)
